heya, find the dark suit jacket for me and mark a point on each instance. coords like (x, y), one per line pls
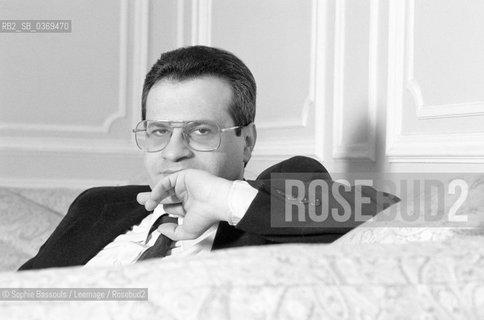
(98, 215)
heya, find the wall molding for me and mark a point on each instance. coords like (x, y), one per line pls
(201, 33)
(202, 22)
(69, 145)
(456, 110)
(41, 183)
(140, 56)
(284, 147)
(122, 106)
(427, 148)
(180, 24)
(301, 121)
(315, 100)
(105, 145)
(444, 148)
(425, 111)
(318, 74)
(366, 150)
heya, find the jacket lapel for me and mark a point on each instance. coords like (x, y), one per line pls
(89, 234)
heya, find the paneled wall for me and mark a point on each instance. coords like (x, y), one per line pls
(358, 84)
(69, 100)
(436, 81)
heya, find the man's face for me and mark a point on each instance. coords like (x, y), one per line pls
(202, 98)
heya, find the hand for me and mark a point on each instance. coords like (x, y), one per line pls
(197, 196)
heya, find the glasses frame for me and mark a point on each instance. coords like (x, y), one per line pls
(182, 124)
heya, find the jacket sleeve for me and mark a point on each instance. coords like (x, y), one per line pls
(93, 219)
(66, 221)
(268, 216)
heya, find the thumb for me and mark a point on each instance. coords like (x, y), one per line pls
(142, 197)
(175, 232)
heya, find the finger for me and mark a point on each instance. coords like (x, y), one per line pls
(174, 209)
(145, 199)
(175, 232)
(156, 198)
(172, 199)
(162, 190)
(142, 197)
(150, 205)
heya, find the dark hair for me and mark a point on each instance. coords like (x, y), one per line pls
(195, 61)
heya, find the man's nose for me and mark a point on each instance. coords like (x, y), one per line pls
(176, 149)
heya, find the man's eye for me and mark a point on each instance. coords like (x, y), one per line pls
(201, 131)
(159, 132)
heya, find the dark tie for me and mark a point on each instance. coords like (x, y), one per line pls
(162, 244)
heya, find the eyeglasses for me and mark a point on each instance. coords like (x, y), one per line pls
(154, 135)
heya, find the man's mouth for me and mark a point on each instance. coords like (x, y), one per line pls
(170, 171)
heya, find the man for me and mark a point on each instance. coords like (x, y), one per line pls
(197, 134)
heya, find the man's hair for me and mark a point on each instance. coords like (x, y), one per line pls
(196, 61)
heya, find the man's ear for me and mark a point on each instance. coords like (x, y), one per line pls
(249, 134)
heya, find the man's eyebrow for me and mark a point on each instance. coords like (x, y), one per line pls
(217, 122)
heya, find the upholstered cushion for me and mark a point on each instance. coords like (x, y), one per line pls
(28, 218)
(398, 230)
(435, 280)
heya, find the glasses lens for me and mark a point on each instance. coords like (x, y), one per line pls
(152, 135)
(203, 136)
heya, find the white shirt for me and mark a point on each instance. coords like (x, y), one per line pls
(128, 247)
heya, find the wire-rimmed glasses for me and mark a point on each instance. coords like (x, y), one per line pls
(203, 135)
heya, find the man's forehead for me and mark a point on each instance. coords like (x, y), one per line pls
(171, 82)
(200, 98)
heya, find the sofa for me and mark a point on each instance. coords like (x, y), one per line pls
(379, 270)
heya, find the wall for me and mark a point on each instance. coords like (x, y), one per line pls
(358, 84)
(69, 100)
